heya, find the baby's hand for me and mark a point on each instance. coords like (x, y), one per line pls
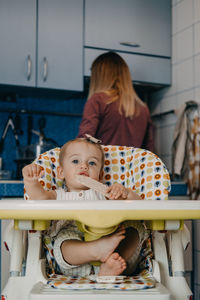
(32, 172)
(117, 191)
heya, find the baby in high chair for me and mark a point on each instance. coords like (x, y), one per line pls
(118, 252)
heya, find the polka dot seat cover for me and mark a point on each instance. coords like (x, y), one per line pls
(137, 169)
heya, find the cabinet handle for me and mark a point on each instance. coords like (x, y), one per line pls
(45, 73)
(129, 44)
(29, 67)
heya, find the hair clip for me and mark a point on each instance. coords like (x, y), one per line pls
(92, 139)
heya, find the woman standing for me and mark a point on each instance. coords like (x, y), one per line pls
(113, 112)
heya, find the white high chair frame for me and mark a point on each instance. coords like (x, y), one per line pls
(29, 283)
(32, 284)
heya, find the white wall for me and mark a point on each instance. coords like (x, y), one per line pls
(185, 73)
(185, 86)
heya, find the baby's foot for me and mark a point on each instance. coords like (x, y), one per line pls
(107, 244)
(113, 266)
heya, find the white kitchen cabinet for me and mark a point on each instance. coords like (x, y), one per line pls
(141, 26)
(139, 30)
(60, 44)
(42, 43)
(17, 42)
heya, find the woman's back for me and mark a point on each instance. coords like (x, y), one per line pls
(103, 121)
(114, 113)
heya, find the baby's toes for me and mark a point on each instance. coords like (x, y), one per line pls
(115, 255)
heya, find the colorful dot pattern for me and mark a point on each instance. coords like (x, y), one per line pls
(137, 169)
(144, 281)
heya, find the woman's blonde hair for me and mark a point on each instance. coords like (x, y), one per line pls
(110, 74)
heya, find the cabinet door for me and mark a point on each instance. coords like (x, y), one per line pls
(60, 44)
(140, 26)
(18, 42)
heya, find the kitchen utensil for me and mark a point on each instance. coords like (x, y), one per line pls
(44, 143)
(29, 128)
(15, 126)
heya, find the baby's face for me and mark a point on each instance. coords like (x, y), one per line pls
(81, 159)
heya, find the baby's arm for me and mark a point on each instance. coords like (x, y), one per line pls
(118, 192)
(31, 174)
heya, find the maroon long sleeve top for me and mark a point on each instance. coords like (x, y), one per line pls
(104, 122)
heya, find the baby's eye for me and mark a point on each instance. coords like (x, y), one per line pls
(75, 161)
(92, 163)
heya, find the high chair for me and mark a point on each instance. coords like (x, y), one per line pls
(159, 278)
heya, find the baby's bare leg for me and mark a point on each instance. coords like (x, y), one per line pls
(77, 252)
(113, 266)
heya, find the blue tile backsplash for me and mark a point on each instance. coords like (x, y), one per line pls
(59, 128)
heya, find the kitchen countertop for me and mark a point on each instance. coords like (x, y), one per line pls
(11, 181)
(15, 188)
(178, 188)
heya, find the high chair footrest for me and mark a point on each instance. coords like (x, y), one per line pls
(93, 282)
(41, 291)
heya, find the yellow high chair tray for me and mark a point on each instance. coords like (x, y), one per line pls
(103, 213)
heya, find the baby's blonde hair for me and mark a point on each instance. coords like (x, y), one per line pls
(63, 149)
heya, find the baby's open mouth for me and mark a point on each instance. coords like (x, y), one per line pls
(84, 174)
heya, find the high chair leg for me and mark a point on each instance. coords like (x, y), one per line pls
(176, 254)
(174, 280)
(34, 253)
(160, 253)
(19, 286)
(16, 253)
